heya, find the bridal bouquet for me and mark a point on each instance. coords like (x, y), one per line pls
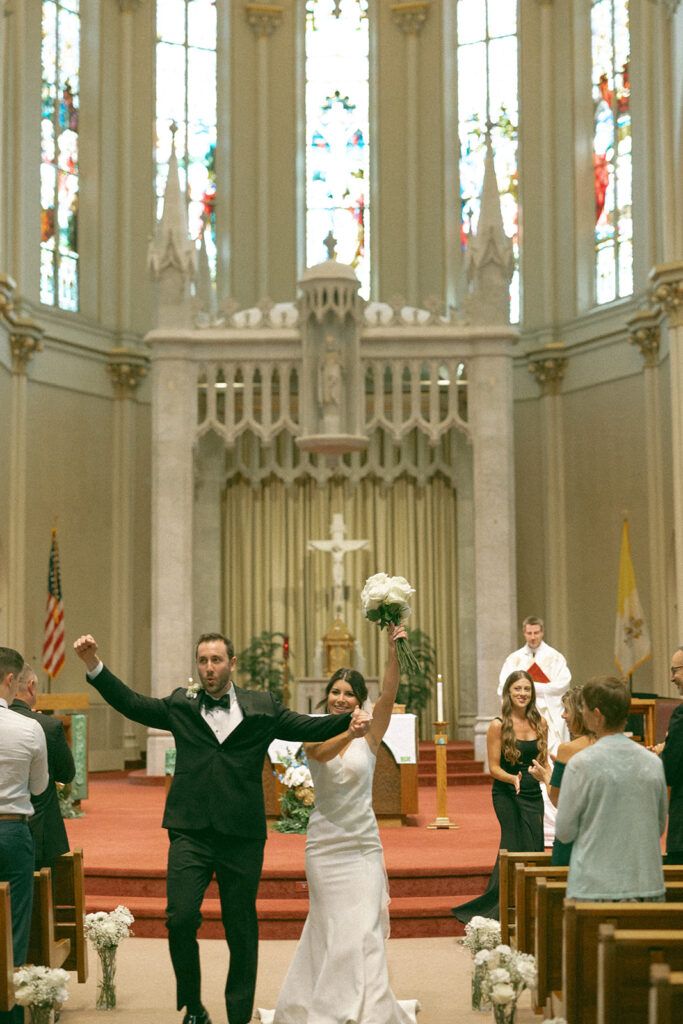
(384, 600)
(40, 988)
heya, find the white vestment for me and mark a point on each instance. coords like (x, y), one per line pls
(548, 702)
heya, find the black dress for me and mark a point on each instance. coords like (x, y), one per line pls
(521, 825)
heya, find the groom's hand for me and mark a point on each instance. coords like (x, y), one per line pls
(86, 649)
(360, 723)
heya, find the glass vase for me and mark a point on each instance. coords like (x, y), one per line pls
(504, 1013)
(106, 978)
(477, 991)
(40, 1013)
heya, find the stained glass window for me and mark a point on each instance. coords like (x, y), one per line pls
(186, 95)
(337, 133)
(611, 49)
(60, 58)
(487, 98)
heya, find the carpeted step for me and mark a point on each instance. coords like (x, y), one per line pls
(416, 883)
(454, 781)
(284, 919)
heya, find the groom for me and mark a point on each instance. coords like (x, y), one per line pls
(215, 812)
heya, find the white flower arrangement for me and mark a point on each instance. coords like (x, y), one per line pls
(105, 930)
(297, 801)
(481, 933)
(384, 600)
(506, 974)
(40, 986)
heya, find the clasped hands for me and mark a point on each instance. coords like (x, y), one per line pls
(359, 724)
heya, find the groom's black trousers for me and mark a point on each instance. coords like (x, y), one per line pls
(193, 857)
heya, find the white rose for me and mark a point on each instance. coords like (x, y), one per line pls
(502, 994)
(374, 592)
(399, 590)
(482, 957)
(499, 976)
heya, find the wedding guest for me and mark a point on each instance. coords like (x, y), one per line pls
(671, 753)
(612, 805)
(552, 778)
(23, 774)
(339, 971)
(514, 741)
(214, 811)
(46, 823)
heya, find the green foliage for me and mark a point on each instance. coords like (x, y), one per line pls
(263, 663)
(293, 814)
(417, 685)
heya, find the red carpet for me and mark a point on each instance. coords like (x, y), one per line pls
(429, 870)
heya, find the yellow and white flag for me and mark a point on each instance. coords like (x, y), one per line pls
(631, 639)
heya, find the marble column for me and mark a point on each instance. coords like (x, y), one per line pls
(411, 17)
(173, 417)
(24, 338)
(126, 370)
(667, 292)
(264, 19)
(549, 371)
(489, 394)
(208, 534)
(644, 331)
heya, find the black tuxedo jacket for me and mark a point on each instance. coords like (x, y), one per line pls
(217, 785)
(46, 823)
(672, 759)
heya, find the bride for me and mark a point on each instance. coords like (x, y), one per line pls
(339, 971)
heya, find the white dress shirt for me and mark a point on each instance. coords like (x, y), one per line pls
(23, 761)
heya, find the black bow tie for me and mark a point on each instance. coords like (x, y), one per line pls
(222, 702)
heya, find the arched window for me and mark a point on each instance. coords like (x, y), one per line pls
(186, 95)
(611, 50)
(60, 59)
(337, 133)
(487, 99)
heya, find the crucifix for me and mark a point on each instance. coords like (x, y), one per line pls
(337, 547)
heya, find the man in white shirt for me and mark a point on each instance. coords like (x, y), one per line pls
(23, 773)
(613, 805)
(548, 669)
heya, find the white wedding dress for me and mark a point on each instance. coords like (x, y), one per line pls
(339, 971)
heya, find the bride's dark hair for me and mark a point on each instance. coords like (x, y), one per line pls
(355, 681)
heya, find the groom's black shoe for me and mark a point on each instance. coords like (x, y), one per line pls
(197, 1018)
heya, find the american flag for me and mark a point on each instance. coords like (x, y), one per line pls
(53, 643)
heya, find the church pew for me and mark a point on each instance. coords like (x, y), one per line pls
(548, 930)
(550, 897)
(666, 995)
(507, 859)
(526, 876)
(624, 960)
(580, 944)
(6, 951)
(43, 947)
(68, 887)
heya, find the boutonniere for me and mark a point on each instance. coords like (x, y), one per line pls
(193, 690)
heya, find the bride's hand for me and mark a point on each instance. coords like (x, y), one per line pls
(360, 723)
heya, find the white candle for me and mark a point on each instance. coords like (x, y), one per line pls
(439, 699)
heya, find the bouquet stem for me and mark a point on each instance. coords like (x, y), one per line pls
(407, 662)
(106, 978)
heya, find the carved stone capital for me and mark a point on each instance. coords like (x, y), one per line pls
(264, 18)
(644, 331)
(127, 370)
(7, 289)
(25, 339)
(549, 372)
(667, 290)
(410, 16)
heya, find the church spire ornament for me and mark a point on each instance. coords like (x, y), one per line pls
(489, 259)
(172, 256)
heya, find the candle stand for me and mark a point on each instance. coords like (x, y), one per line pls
(440, 741)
